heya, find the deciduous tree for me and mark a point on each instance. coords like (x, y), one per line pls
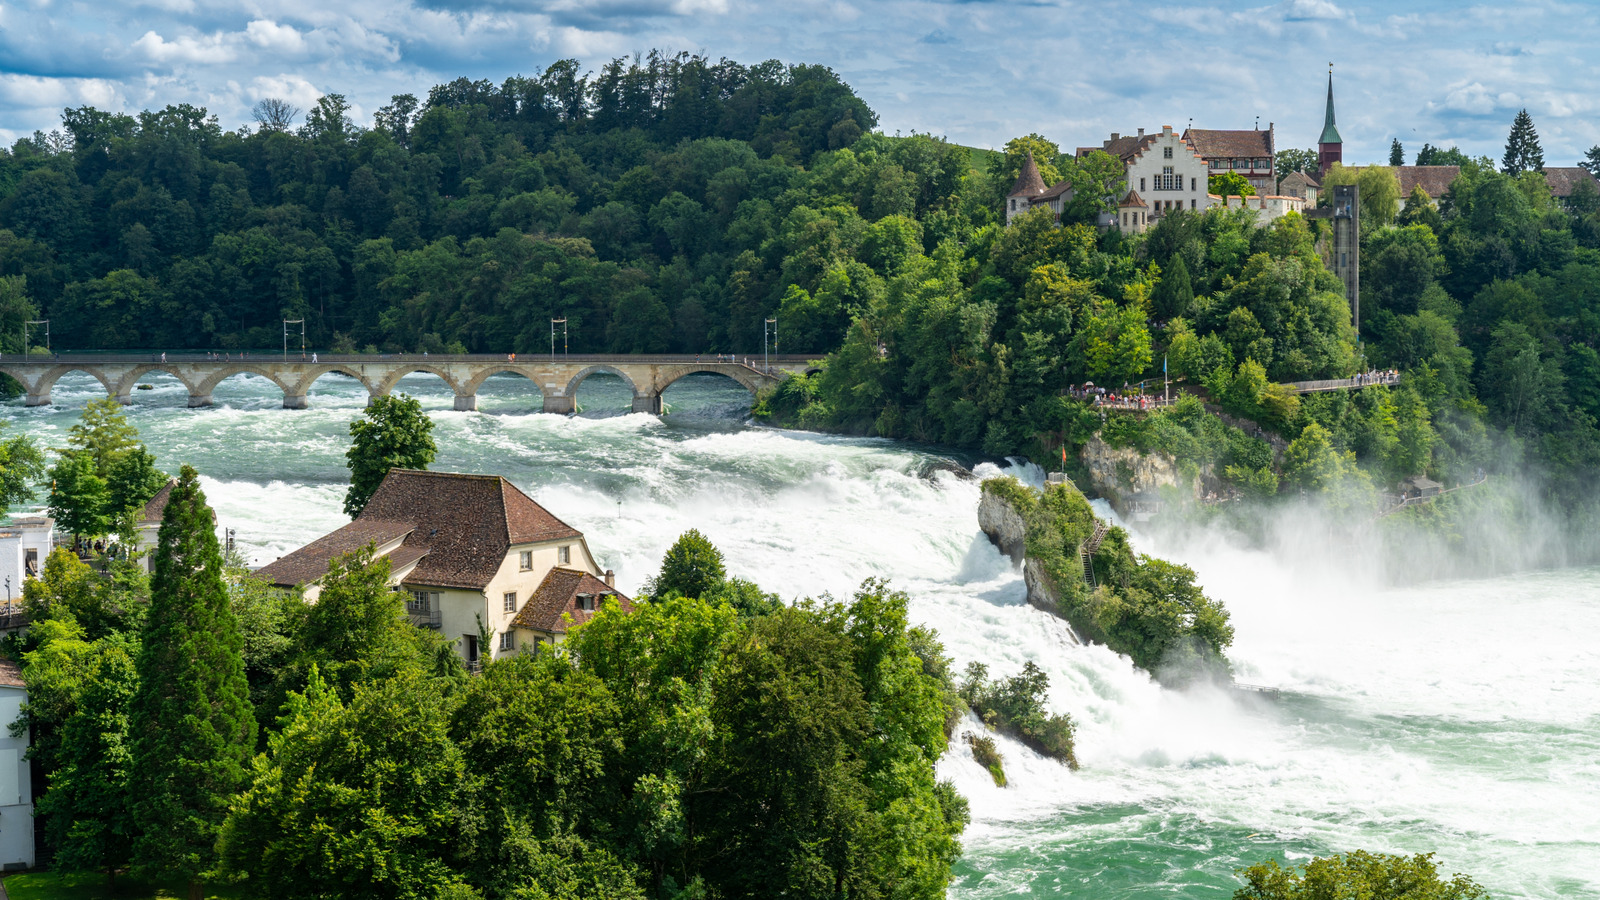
(394, 434)
(691, 567)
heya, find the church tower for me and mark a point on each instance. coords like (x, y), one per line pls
(1330, 148)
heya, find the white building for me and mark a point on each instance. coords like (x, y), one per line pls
(24, 544)
(1267, 207)
(465, 549)
(16, 783)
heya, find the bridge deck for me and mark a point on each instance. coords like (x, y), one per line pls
(557, 377)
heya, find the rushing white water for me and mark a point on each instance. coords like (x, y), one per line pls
(1461, 718)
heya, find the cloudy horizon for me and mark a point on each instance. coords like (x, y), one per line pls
(977, 72)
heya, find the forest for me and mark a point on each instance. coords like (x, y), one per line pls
(673, 203)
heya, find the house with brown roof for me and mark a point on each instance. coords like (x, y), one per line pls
(1164, 173)
(1246, 153)
(1300, 184)
(465, 548)
(1565, 181)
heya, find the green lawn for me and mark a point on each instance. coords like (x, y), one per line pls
(92, 886)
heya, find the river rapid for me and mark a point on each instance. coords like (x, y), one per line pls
(1462, 718)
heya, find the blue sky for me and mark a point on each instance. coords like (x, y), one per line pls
(976, 71)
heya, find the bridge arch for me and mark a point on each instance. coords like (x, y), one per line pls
(303, 386)
(577, 379)
(39, 390)
(477, 380)
(751, 381)
(216, 378)
(387, 385)
(125, 387)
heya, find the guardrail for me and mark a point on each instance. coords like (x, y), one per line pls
(158, 357)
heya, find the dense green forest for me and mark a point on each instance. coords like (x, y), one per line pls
(675, 203)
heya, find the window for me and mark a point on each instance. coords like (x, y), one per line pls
(511, 601)
(1219, 164)
(508, 641)
(1241, 164)
(1263, 163)
(422, 601)
(586, 602)
(1124, 220)
(1166, 153)
(1013, 203)
(1192, 187)
(1194, 204)
(1141, 184)
(525, 560)
(564, 555)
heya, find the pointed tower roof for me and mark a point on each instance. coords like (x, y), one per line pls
(1029, 183)
(1330, 133)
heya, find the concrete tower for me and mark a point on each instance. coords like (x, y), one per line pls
(1330, 148)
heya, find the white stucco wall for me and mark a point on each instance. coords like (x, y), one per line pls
(16, 786)
(459, 609)
(15, 542)
(1146, 169)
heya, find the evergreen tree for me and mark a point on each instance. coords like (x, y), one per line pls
(192, 726)
(1591, 161)
(1175, 292)
(1523, 153)
(692, 567)
(1397, 153)
(396, 434)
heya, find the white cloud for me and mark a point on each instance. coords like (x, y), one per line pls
(272, 36)
(186, 49)
(293, 88)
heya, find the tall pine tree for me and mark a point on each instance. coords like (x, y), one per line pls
(1397, 153)
(192, 726)
(1523, 153)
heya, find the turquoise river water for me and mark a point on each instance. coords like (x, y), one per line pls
(1462, 718)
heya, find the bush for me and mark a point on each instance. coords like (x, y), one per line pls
(1016, 706)
(983, 750)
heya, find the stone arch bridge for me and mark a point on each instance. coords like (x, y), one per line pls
(557, 378)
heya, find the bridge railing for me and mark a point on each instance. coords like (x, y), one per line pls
(295, 356)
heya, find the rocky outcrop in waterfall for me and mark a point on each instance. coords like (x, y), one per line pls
(1007, 530)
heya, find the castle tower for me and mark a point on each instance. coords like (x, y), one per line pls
(1330, 148)
(1030, 184)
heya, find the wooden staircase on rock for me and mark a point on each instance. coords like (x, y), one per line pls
(1087, 548)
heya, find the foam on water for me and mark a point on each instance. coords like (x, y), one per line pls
(1462, 718)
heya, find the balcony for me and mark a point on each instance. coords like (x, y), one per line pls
(423, 616)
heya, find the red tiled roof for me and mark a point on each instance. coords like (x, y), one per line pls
(557, 596)
(1230, 144)
(1435, 180)
(1132, 199)
(458, 526)
(310, 562)
(1565, 179)
(1056, 190)
(1029, 182)
(157, 505)
(1123, 147)
(467, 523)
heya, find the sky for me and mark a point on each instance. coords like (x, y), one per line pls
(977, 72)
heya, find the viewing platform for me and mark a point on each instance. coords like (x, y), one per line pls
(556, 377)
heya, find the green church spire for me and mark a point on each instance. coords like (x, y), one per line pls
(1330, 134)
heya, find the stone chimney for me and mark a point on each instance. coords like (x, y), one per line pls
(1141, 132)
(611, 578)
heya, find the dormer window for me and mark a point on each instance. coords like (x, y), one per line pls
(586, 602)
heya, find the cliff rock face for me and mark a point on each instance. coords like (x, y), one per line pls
(1004, 527)
(1006, 530)
(1120, 475)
